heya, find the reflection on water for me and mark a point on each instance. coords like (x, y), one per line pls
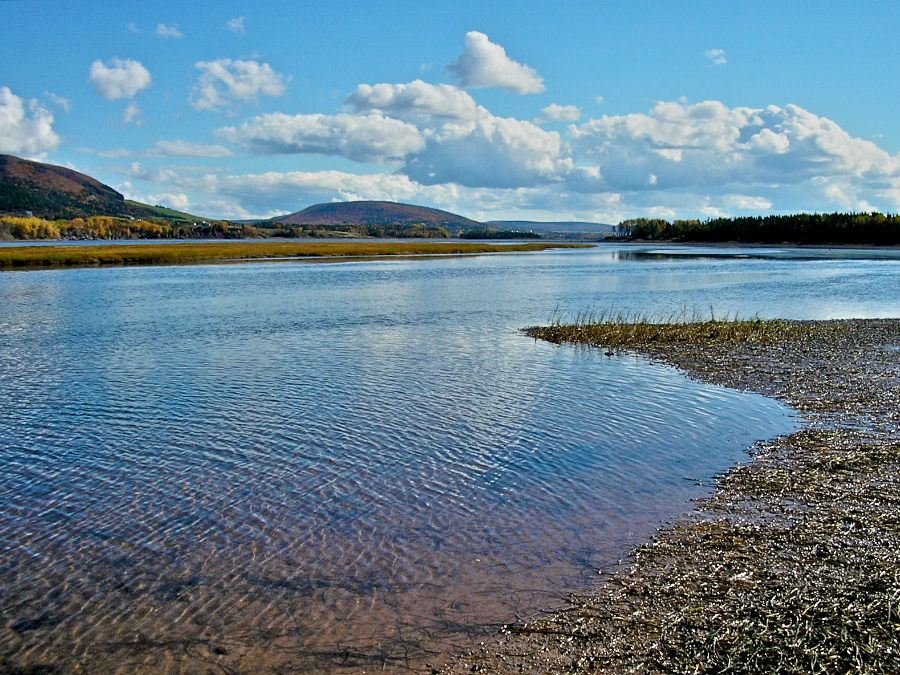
(296, 468)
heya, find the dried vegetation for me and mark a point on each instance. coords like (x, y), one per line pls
(25, 257)
(793, 564)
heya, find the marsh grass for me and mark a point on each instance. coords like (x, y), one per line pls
(623, 330)
(193, 253)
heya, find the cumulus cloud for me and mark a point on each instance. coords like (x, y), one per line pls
(729, 159)
(490, 152)
(224, 83)
(484, 64)
(414, 100)
(120, 78)
(317, 185)
(362, 138)
(681, 159)
(559, 113)
(236, 25)
(179, 148)
(178, 201)
(166, 32)
(718, 57)
(25, 128)
(461, 142)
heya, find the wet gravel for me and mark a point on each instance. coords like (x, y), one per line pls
(791, 566)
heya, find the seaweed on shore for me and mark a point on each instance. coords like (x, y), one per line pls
(793, 564)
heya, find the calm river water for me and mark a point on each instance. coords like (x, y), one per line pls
(307, 467)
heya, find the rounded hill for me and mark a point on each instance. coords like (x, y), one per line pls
(368, 213)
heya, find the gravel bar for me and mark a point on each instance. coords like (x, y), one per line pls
(792, 565)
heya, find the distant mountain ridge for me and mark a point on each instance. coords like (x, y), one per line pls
(373, 213)
(568, 226)
(56, 192)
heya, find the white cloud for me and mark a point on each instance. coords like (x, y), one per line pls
(414, 100)
(180, 148)
(178, 201)
(131, 113)
(59, 101)
(490, 152)
(224, 83)
(718, 57)
(679, 144)
(559, 113)
(110, 154)
(784, 158)
(236, 25)
(122, 78)
(484, 64)
(166, 32)
(217, 208)
(362, 138)
(685, 160)
(317, 186)
(25, 129)
(746, 203)
(133, 27)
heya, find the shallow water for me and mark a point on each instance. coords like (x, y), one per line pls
(298, 467)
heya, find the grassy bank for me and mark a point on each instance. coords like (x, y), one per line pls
(13, 257)
(792, 565)
(619, 332)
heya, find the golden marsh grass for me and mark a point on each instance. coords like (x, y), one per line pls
(623, 331)
(230, 251)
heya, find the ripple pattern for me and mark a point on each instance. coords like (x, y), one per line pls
(311, 468)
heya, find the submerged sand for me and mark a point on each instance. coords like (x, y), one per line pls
(792, 565)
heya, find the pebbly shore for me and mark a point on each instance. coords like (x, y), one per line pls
(792, 565)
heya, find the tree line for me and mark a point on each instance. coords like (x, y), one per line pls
(108, 227)
(802, 228)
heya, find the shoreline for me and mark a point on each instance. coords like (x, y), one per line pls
(758, 244)
(792, 565)
(177, 253)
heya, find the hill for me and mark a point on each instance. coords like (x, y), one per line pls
(374, 214)
(55, 192)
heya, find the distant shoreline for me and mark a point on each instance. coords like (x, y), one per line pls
(792, 565)
(744, 244)
(193, 253)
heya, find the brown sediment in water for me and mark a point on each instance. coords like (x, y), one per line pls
(793, 564)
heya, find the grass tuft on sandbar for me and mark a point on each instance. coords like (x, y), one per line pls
(624, 331)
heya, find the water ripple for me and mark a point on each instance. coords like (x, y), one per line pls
(317, 467)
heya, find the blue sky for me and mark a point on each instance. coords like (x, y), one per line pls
(595, 111)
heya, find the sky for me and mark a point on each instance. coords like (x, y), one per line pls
(597, 111)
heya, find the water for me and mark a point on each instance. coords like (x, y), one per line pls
(295, 467)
